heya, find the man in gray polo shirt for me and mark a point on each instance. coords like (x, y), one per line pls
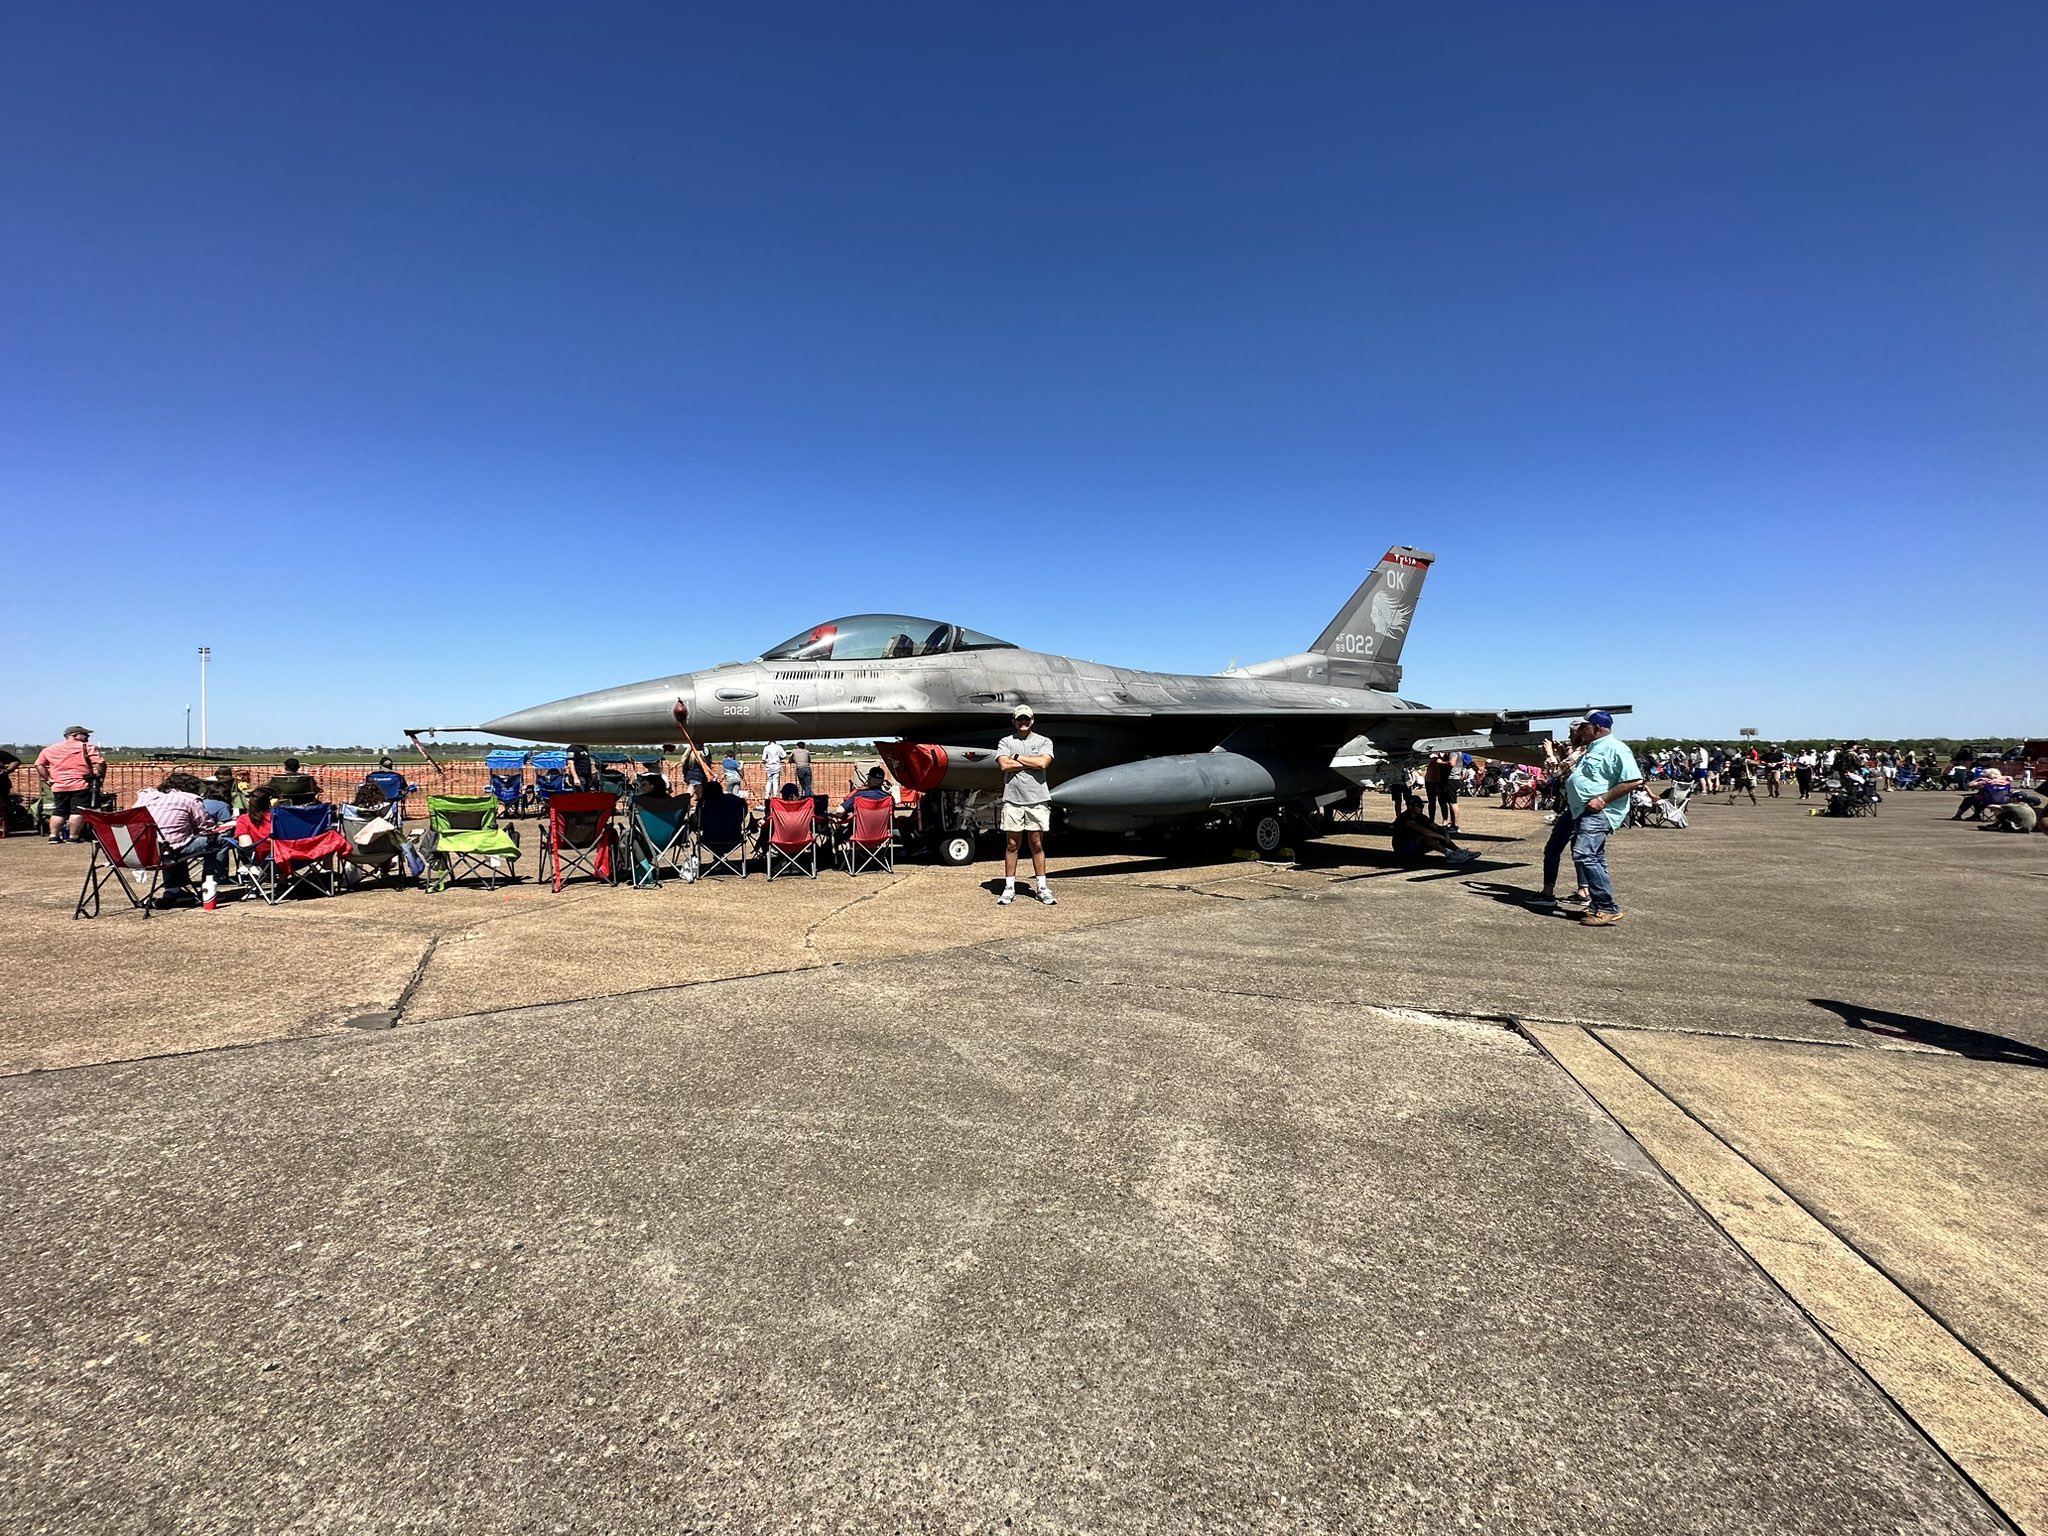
(1024, 756)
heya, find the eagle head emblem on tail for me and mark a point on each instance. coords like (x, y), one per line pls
(1388, 617)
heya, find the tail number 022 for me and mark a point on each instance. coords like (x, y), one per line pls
(1354, 645)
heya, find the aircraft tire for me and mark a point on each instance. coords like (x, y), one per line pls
(955, 850)
(1266, 831)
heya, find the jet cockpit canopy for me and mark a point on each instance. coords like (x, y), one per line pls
(881, 637)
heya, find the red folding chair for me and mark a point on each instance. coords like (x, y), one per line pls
(580, 837)
(128, 850)
(792, 844)
(871, 841)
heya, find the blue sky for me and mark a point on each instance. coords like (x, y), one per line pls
(431, 361)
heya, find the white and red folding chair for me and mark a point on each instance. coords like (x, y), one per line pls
(792, 844)
(871, 840)
(128, 850)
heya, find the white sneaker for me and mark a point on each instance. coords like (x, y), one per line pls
(1045, 895)
(1009, 895)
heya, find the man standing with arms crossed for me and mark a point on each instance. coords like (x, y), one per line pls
(1024, 756)
(1597, 794)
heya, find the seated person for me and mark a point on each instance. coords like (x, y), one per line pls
(721, 817)
(875, 789)
(1416, 836)
(292, 787)
(788, 794)
(651, 780)
(365, 822)
(217, 794)
(1993, 789)
(252, 827)
(183, 826)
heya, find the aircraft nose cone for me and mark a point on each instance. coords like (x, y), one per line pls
(635, 713)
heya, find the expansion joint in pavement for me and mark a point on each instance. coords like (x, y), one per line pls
(1994, 1433)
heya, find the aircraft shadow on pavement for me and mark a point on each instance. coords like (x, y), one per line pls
(1977, 1044)
(1317, 856)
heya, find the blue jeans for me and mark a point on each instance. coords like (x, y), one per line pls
(1561, 831)
(206, 852)
(1589, 858)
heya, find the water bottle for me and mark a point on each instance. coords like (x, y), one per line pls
(207, 891)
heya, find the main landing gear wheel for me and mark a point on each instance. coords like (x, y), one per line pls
(955, 849)
(1266, 832)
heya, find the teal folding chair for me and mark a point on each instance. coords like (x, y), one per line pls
(659, 838)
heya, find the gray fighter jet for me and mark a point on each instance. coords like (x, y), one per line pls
(1133, 750)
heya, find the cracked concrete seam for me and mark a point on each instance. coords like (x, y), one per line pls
(811, 933)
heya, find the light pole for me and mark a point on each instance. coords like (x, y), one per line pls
(188, 727)
(205, 652)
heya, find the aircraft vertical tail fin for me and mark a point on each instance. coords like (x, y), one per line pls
(1364, 641)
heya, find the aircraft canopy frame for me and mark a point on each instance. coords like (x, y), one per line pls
(881, 637)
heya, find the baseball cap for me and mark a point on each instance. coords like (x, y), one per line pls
(77, 730)
(1022, 712)
(1598, 718)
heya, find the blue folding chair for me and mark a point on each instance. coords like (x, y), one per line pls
(550, 777)
(508, 779)
(304, 853)
(394, 789)
(721, 840)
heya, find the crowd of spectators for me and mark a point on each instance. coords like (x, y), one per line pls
(218, 826)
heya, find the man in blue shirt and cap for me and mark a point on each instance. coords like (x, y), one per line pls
(1596, 795)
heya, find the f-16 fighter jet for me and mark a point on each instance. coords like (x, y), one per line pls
(1135, 750)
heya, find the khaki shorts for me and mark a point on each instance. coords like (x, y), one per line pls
(1026, 818)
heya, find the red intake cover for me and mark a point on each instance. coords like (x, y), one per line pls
(914, 764)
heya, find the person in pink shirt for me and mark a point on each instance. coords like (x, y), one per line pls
(182, 825)
(72, 769)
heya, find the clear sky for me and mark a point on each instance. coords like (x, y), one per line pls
(428, 361)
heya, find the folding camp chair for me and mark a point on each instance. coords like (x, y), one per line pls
(376, 847)
(303, 853)
(871, 840)
(721, 840)
(579, 837)
(550, 776)
(658, 834)
(508, 779)
(613, 771)
(467, 840)
(393, 788)
(128, 850)
(791, 846)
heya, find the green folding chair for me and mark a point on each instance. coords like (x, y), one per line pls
(467, 840)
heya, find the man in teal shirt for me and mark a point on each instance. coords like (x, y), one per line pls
(1596, 796)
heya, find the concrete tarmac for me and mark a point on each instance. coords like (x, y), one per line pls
(1220, 1197)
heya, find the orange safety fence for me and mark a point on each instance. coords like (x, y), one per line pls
(125, 780)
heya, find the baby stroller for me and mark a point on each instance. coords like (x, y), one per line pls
(550, 777)
(508, 780)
